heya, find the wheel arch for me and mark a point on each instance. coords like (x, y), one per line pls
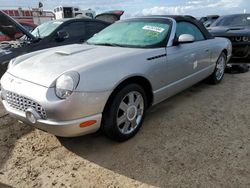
(140, 80)
(225, 52)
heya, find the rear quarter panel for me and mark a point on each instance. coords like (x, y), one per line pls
(219, 44)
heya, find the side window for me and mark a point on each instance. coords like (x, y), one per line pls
(189, 28)
(76, 29)
(94, 27)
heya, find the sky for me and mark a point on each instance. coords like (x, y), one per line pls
(144, 7)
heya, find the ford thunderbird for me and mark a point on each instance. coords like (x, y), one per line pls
(109, 82)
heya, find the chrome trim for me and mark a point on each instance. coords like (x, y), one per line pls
(21, 103)
(173, 31)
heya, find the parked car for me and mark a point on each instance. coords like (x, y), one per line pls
(207, 21)
(50, 34)
(237, 29)
(110, 81)
(28, 26)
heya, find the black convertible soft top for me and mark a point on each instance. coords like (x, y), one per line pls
(180, 18)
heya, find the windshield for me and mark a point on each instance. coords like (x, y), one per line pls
(46, 29)
(132, 34)
(233, 20)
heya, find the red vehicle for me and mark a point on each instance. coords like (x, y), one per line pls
(27, 25)
(34, 15)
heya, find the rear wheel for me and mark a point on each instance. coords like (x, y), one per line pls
(219, 70)
(124, 114)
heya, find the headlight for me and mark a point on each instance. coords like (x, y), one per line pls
(66, 84)
(238, 39)
(245, 39)
(241, 39)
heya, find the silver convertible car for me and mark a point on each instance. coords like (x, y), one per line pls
(109, 82)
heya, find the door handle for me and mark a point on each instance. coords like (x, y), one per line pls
(207, 50)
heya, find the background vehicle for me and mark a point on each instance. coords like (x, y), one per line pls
(71, 12)
(28, 26)
(110, 81)
(237, 29)
(209, 20)
(36, 16)
(50, 34)
(111, 16)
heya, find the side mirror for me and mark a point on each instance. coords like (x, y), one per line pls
(186, 38)
(62, 35)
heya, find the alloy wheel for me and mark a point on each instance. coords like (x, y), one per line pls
(130, 112)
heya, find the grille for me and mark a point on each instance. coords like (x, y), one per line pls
(22, 103)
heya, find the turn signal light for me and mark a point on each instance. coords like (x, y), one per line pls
(87, 123)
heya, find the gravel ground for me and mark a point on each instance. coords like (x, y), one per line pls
(199, 138)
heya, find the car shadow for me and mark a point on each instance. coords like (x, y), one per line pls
(4, 185)
(146, 157)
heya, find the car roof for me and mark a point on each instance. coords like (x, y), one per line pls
(80, 19)
(247, 14)
(180, 18)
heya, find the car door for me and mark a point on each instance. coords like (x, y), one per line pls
(76, 32)
(185, 60)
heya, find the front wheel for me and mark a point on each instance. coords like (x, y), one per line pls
(124, 114)
(219, 70)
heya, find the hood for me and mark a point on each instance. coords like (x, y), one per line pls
(111, 16)
(10, 27)
(229, 31)
(44, 67)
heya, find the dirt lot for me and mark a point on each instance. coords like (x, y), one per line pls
(199, 138)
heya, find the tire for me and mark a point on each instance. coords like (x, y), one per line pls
(219, 70)
(121, 107)
(240, 68)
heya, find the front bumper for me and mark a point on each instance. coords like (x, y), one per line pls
(59, 128)
(63, 117)
(241, 53)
